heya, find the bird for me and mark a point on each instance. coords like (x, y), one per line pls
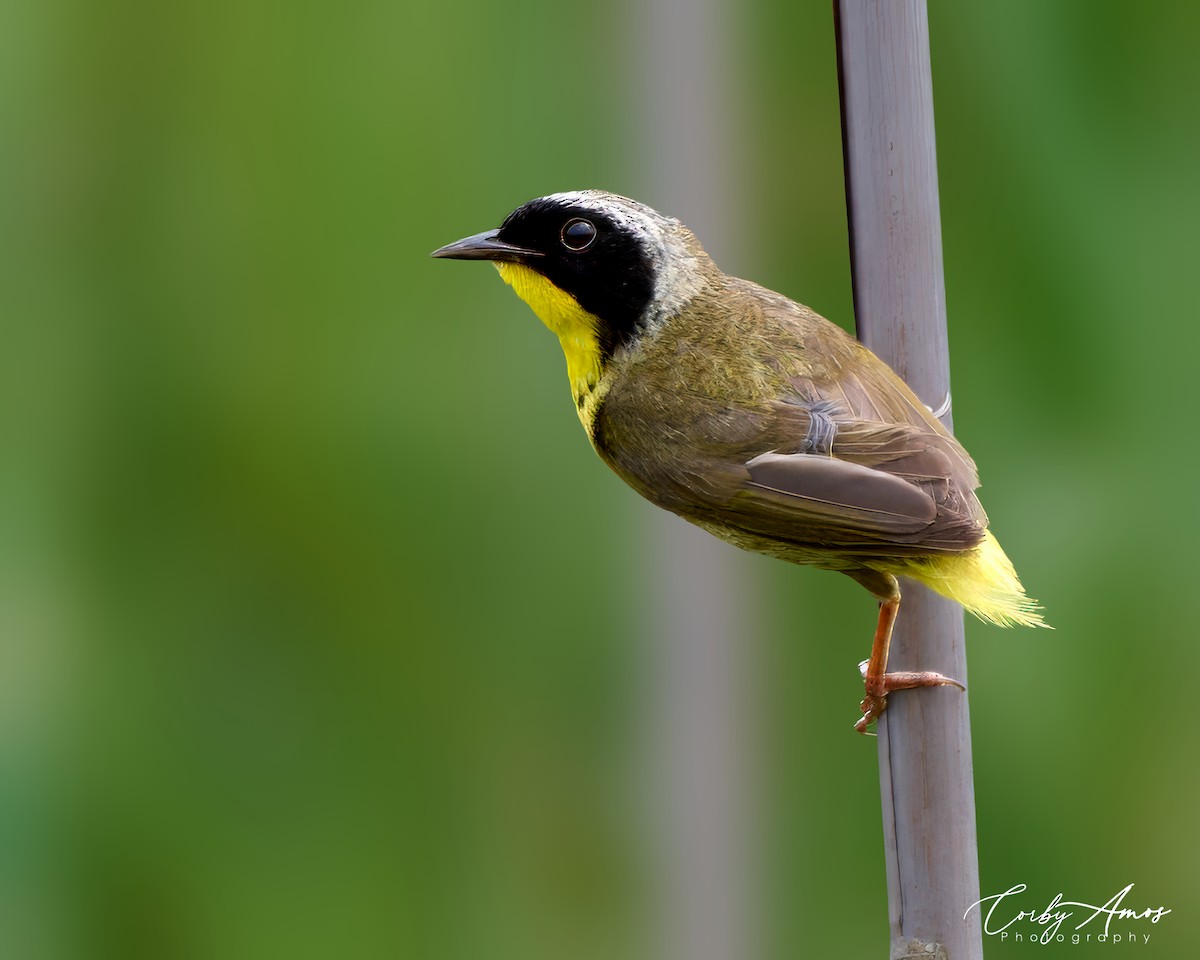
(752, 416)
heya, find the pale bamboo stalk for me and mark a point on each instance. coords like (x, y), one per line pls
(899, 300)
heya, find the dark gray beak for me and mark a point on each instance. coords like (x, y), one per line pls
(485, 246)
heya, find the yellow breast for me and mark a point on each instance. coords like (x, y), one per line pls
(577, 330)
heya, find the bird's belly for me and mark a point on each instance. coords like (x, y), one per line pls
(802, 553)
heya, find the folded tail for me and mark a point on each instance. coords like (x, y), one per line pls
(982, 580)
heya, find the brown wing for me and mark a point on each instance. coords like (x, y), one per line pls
(856, 461)
(815, 442)
(870, 470)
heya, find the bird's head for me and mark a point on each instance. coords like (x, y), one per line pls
(598, 269)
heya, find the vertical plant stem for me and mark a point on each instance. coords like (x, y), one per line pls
(899, 299)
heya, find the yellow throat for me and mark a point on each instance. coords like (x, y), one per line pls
(577, 331)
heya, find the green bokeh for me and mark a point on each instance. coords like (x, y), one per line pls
(316, 610)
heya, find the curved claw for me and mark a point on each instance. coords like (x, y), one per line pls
(878, 688)
(871, 707)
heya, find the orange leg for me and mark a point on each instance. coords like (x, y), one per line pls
(879, 683)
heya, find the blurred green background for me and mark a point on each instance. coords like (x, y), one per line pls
(297, 659)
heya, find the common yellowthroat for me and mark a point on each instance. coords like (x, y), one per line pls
(750, 415)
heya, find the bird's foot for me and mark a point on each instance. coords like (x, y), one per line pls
(878, 688)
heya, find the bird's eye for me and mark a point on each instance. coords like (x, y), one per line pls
(578, 234)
